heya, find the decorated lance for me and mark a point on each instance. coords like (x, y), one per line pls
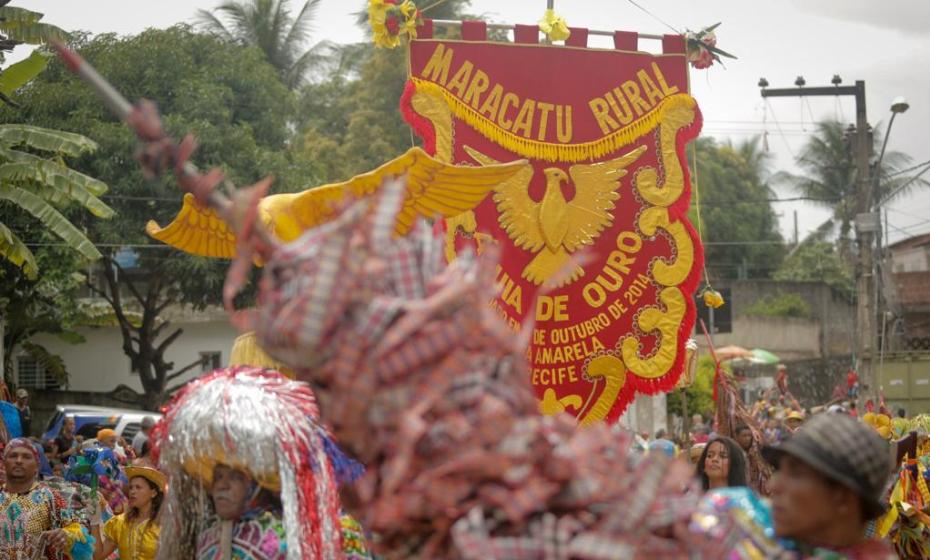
(160, 151)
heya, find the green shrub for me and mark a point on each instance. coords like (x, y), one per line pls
(781, 305)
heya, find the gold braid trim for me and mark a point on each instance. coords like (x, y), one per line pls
(534, 149)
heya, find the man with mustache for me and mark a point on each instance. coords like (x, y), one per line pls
(829, 483)
(36, 521)
(256, 485)
(248, 522)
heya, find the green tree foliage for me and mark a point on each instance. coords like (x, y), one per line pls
(731, 182)
(350, 119)
(781, 305)
(47, 304)
(818, 261)
(830, 177)
(235, 104)
(270, 26)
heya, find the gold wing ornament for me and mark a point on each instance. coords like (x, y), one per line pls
(434, 189)
(554, 227)
(518, 212)
(596, 187)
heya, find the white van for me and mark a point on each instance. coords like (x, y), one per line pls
(88, 419)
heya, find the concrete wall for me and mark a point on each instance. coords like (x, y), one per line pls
(829, 331)
(99, 365)
(788, 337)
(812, 381)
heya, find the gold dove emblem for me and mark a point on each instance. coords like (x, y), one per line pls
(554, 228)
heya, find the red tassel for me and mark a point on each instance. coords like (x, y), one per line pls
(420, 124)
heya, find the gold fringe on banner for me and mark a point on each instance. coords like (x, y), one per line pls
(534, 149)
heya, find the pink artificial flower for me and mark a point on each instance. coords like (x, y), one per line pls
(709, 39)
(701, 58)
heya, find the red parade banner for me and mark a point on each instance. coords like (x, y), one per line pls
(596, 246)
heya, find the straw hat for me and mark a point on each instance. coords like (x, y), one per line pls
(154, 476)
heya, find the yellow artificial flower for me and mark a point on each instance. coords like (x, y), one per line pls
(385, 39)
(881, 423)
(410, 28)
(554, 26)
(712, 298)
(376, 11)
(408, 8)
(404, 22)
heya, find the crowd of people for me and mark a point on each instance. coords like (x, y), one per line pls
(68, 497)
(104, 497)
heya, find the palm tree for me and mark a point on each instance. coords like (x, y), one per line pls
(270, 26)
(830, 178)
(38, 185)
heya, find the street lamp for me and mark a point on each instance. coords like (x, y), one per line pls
(898, 105)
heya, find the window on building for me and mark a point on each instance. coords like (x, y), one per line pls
(210, 361)
(30, 374)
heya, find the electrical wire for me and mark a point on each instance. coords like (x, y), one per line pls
(908, 214)
(655, 17)
(909, 169)
(778, 126)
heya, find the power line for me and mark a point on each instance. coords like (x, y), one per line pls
(778, 126)
(655, 17)
(108, 245)
(908, 234)
(903, 213)
(162, 246)
(909, 169)
(911, 226)
(741, 243)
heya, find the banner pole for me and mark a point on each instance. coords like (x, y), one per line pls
(510, 27)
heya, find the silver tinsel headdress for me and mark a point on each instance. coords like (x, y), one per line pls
(264, 424)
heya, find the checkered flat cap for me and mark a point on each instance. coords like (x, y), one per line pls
(842, 449)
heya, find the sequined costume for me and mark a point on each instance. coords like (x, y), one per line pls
(257, 536)
(260, 535)
(25, 517)
(135, 540)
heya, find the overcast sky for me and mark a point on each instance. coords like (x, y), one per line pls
(886, 43)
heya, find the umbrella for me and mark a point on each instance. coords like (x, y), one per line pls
(761, 356)
(733, 353)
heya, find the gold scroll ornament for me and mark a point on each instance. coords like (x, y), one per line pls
(658, 188)
(678, 113)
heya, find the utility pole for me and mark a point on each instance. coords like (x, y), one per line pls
(867, 222)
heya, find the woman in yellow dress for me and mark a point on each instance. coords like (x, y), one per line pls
(135, 533)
